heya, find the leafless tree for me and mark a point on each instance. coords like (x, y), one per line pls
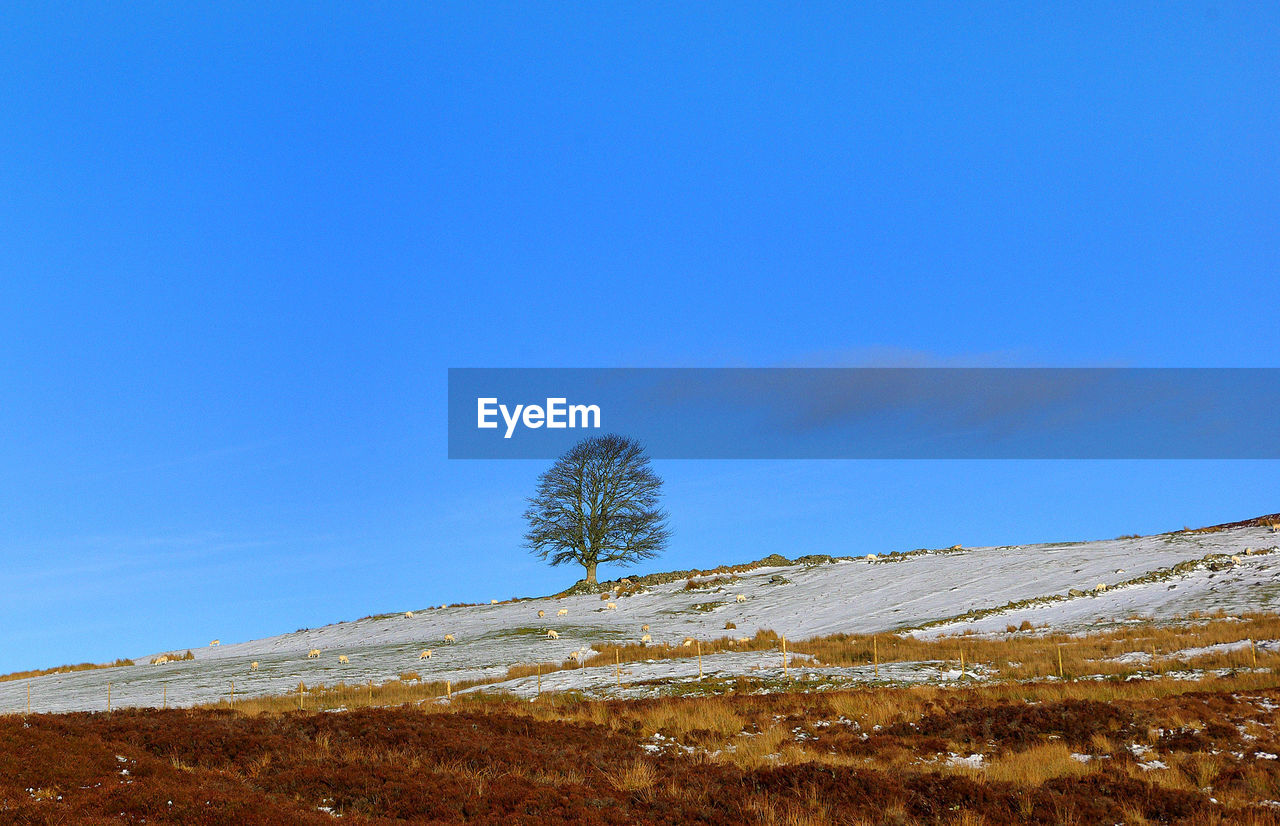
(598, 503)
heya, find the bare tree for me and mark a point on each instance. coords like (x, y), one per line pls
(598, 503)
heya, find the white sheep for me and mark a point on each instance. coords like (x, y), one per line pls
(646, 639)
(425, 655)
(442, 605)
(253, 666)
(215, 642)
(408, 615)
(740, 598)
(552, 634)
(613, 606)
(1236, 560)
(542, 613)
(449, 638)
(493, 602)
(743, 640)
(688, 641)
(342, 658)
(313, 653)
(563, 612)
(1100, 587)
(161, 660)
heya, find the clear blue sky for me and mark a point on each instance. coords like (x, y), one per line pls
(240, 247)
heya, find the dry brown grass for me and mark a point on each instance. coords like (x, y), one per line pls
(1036, 765)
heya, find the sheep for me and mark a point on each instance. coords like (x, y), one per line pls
(646, 639)
(214, 643)
(1100, 587)
(313, 653)
(552, 634)
(253, 666)
(442, 605)
(740, 598)
(688, 641)
(408, 615)
(542, 613)
(1236, 560)
(425, 655)
(449, 638)
(744, 640)
(563, 612)
(161, 660)
(613, 606)
(342, 658)
(493, 602)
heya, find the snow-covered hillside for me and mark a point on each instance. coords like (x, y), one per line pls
(947, 591)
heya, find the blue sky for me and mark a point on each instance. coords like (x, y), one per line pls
(240, 246)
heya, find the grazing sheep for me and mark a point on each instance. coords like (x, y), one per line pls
(313, 653)
(1100, 587)
(161, 660)
(408, 615)
(342, 658)
(688, 641)
(542, 613)
(646, 639)
(215, 642)
(740, 598)
(493, 602)
(613, 606)
(552, 634)
(442, 605)
(563, 612)
(744, 640)
(253, 666)
(1236, 560)
(425, 655)
(449, 638)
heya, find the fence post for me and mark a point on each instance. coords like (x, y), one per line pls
(784, 658)
(539, 679)
(699, 659)
(108, 695)
(617, 667)
(875, 655)
(233, 694)
(1060, 661)
(28, 696)
(961, 664)
(1253, 652)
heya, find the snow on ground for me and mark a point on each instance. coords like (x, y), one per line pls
(852, 596)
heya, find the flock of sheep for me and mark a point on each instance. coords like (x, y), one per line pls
(449, 639)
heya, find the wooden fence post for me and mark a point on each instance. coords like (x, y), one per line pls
(1060, 661)
(233, 694)
(108, 695)
(784, 658)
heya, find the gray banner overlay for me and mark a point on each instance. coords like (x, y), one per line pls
(871, 413)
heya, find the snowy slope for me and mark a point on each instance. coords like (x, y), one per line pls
(859, 596)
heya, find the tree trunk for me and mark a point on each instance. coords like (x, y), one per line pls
(591, 573)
